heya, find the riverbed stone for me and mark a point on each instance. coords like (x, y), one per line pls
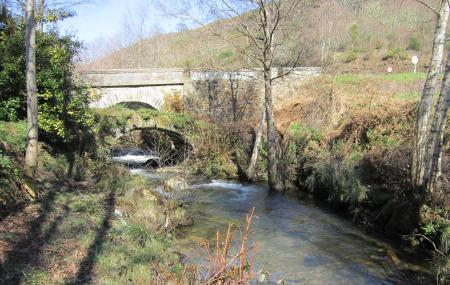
(176, 184)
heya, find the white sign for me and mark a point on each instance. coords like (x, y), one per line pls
(415, 61)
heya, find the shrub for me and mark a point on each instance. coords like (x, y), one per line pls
(414, 44)
(10, 194)
(217, 165)
(378, 44)
(340, 180)
(303, 134)
(226, 54)
(395, 53)
(354, 34)
(350, 56)
(63, 112)
(174, 103)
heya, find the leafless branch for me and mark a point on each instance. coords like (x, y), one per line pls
(427, 239)
(428, 6)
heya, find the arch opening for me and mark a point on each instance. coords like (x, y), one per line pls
(151, 147)
(135, 105)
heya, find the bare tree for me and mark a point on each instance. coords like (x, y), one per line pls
(31, 157)
(135, 30)
(422, 147)
(261, 29)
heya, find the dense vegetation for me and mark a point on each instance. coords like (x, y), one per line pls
(62, 103)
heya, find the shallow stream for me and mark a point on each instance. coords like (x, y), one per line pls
(297, 241)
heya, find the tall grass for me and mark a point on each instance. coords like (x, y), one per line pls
(227, 268)
(341, 181)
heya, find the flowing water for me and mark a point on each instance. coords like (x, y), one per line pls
(133, 156)
(297, 241)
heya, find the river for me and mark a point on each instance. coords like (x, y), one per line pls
(297, 241)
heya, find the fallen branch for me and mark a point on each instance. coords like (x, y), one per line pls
(427, 239)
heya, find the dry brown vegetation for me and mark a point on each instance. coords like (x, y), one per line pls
(330, 103)
(225, 267)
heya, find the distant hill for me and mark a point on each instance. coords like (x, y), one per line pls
(347, 35)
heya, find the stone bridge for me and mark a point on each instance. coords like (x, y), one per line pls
(153, 87)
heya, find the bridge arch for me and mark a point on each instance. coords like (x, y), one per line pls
(149, 95)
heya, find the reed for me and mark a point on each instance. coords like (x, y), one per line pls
(232, 269)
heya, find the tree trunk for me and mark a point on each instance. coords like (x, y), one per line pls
(436, 139)
(234, 87)
(254, 159)
(32, 112)
(274, 177)
(426, 102)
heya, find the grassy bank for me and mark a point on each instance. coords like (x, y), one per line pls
(102, 225)
(78, 233)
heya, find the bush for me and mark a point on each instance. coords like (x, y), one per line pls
(414, 44)
(378, 44)
(354, 34)
(216, 165)
(10, 193)
(395, 53)
(340, 180)
(63, 109)
(225, 54)
(303, 134)
(350, 56)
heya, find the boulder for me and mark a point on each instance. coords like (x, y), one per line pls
(176, 184)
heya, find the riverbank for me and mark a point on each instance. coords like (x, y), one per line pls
(113, 230)
(102, 224)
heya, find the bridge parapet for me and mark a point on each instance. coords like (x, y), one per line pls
(129, 77)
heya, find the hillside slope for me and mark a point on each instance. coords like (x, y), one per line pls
(335, 33)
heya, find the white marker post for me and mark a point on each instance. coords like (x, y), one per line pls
(415, 61)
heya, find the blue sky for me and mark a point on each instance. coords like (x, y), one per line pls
(104, 19)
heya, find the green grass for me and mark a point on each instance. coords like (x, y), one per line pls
(409, 95)
(407, 77)
(74, 224)
(356, 79)
(14, 134)
(119, 116)
(352, 79)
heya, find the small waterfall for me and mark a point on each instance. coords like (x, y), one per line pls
(135, 157)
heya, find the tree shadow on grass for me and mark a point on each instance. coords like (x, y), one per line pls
(84, 274)
(27, 252)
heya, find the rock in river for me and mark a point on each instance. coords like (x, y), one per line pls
(176, 184)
